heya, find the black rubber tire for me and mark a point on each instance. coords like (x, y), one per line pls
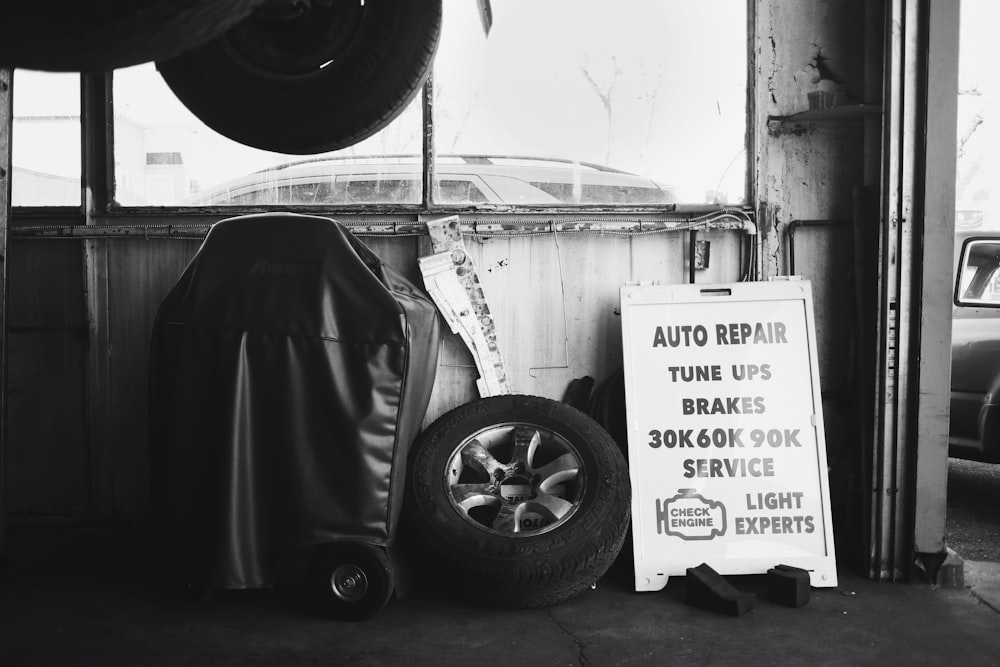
(371, 576)
(85, 35)
(273, 84)
(513, 570)
(607, 407)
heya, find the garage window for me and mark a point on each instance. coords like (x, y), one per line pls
(631, 102)
(46, 151)
(567, 103)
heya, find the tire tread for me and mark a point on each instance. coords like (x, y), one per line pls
(484, 572)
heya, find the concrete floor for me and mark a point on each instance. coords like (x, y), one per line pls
(973, 525)
(81, 600)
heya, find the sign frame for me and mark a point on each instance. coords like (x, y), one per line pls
(760, 488)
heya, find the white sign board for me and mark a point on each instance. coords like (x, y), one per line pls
(727, 453)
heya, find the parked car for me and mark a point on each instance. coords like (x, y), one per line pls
(471, 180)
(975, 348)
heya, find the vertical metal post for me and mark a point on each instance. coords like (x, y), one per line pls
(6, 130)
(894, 305)
(908, 381)
(96, 179)
(428, 147)
(692, 250)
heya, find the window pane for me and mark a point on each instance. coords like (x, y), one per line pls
(46, 145)
(979, 282)
(164, 156)
(631, 102)
(977, 88)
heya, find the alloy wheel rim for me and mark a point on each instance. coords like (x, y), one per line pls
(515, 479)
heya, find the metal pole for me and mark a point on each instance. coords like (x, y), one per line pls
(6, 128)
(901, 364)
(427, 99)
(97, 161)
(883, 560)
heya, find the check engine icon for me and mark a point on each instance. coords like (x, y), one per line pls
(690, 516)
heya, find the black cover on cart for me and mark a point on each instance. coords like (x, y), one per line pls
(290, 373)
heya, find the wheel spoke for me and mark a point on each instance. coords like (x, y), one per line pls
(506, 519)
(468, 496)
(526, 442)
(552, 506)
(476, 456)
(495, 483)
(555, 472)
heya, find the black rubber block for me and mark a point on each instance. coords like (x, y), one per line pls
(707, 589)
(788, 585)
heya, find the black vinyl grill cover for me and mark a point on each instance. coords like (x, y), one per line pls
(290, 371)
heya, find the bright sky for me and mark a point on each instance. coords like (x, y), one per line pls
(978, 139)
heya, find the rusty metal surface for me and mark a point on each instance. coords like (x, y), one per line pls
(387, 225)
(452, 280)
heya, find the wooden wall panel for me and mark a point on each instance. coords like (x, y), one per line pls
(45, 284)
(522, 279)
(140, 273)
(47, 448)
(594, 267)
(555, 299)
(47, 445)
(400, 253)
(660, 257)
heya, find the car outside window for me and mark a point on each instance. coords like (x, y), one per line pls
(630, 85)
(979, 274)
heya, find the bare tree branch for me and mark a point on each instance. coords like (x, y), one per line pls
(604, 95)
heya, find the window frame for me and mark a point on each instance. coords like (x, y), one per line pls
(963, 265)
(98, 178)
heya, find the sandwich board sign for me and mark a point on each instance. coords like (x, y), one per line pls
(727, 453)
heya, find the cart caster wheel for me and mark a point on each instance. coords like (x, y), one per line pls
(351, 581)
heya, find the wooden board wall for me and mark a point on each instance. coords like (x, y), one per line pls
(48, 449)
(78, 448)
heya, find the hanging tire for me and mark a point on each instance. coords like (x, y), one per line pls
(517, 501)
(350, 581)
(84, 35)
(315, 82)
